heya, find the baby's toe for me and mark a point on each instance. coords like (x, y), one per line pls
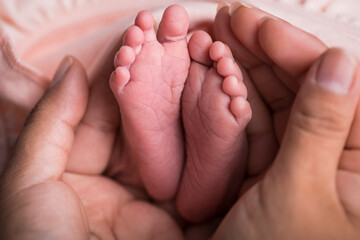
(226, 66)
(118, 79)
(145, 21)
(218, 50)
(124, 57)
(241, 110)
(224, 62)
(199, 46)
(174, 24)
(134, 38)
(234, 87)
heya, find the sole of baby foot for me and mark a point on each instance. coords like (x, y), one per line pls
(151, 69)
(215, 114)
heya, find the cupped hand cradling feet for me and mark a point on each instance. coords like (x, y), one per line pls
(275, 57)
(43, 197)
(306, 194)
(311, 189)
(169, 91)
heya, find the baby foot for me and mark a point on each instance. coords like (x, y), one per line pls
(148, 81)
(215, 113)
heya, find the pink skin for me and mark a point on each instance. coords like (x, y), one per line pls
(147, 83)
(215, 113)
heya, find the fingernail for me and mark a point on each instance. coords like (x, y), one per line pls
(234, 6)
(264, 19)
(221, 5)
(336, 71)
(62, 69)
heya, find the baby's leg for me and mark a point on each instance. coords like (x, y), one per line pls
(151, 70)
(215, 114)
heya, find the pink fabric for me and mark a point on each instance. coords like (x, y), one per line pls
(35, 35)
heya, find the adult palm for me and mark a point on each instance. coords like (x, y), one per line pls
(44, 193)
(311, 191)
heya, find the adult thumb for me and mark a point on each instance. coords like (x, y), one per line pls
(43, 146)
(320, 120)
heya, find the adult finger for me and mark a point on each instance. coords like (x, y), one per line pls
(246, 20)
(320, 121)
(223, 32)
(281, 40)
(263, 144)
(277, 96)
(350, 160)
(46, 140)
(99, 125)
(271, 38)
(262, 140)
(277, 43)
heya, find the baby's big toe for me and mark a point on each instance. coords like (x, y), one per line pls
(199, 46)
(174, 24)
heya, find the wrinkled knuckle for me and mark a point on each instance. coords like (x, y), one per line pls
(327, 123)
(282, 103)
(105, 125)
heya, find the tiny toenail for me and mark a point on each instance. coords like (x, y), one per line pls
(221, 5)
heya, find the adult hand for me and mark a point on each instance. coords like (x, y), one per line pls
(275, 57)
(41, 198)
(305, 195)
